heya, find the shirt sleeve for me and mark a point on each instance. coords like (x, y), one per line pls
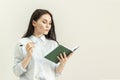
(18, 57)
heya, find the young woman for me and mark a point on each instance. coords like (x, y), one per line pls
(38, 41)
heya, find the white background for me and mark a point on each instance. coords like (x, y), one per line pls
(94, 25)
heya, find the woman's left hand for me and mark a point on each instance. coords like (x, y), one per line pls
(63, 58)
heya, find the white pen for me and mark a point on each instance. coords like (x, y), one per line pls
(30, 41)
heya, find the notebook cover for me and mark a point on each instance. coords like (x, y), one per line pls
(52, 56)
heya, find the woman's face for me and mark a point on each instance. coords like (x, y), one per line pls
(42, 25)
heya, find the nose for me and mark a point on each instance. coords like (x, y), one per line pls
(48, 26)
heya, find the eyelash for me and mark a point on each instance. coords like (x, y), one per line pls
(45, 23)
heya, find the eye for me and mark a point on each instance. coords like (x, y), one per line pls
(44, 22)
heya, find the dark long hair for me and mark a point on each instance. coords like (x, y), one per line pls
(35, 16)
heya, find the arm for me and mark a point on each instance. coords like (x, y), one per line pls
(20, 62)
(27, 59)
(63, 59)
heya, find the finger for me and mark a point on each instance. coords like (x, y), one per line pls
(64, 54)
(69, 55)
(65, 57)
(61, 56)
(32, 44)
(28, 46)
(58, 58)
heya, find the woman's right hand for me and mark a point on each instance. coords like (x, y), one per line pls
(29, 48)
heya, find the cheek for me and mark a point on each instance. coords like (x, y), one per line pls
(50, 26)
(41, 26)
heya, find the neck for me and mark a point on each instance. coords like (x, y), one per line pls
(37, 35)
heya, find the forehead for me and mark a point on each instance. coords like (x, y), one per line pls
(45, 17)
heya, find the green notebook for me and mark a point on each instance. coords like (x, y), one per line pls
(52, 56)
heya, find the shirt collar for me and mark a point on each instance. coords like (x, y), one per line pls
(36, 39)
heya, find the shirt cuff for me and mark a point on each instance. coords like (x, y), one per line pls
(58, 74)
(23, 69)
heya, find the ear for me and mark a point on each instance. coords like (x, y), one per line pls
(34, 23)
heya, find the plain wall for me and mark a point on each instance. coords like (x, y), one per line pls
(94, 25)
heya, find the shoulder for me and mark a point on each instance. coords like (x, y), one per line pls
(52, 42)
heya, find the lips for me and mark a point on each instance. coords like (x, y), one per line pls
(46, 30)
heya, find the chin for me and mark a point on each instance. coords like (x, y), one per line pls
(45, 33)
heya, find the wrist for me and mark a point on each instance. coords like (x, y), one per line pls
(29, 56)
(62, 64)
